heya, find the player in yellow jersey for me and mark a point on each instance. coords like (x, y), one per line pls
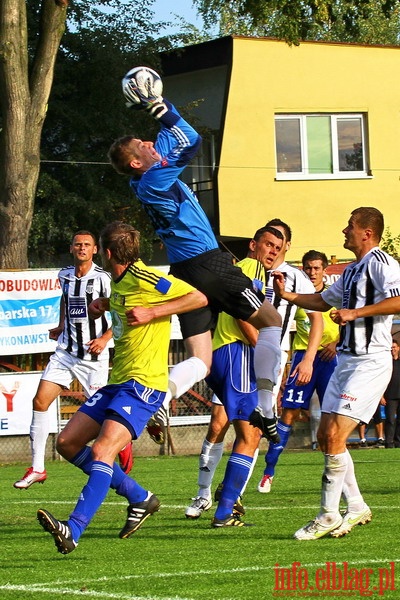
(233, 380)
(141, 303)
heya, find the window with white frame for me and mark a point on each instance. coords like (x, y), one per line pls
(321, 146)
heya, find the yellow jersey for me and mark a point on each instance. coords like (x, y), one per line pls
(227, 329)
(330, 333)
(141, 352)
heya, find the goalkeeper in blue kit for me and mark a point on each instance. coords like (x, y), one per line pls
(192, 247)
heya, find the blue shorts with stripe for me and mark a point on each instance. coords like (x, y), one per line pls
(299, 396)
(129, 403)
(233, 380)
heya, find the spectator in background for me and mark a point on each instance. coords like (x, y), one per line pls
(392, 397)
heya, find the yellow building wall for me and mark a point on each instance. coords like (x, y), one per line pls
(271, 77)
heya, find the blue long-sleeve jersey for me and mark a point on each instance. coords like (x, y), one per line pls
(174, 210)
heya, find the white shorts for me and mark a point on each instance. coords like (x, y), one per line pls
(357, 385)
(63, 368)
(277, 385)
(216, 400)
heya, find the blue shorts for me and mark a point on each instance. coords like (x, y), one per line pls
(299, 396)
(233, 380)
(129, 403)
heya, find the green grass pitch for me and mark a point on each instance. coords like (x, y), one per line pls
(172, 557)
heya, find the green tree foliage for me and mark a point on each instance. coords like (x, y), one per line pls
(77, 187)
(26, 75)
(54, 135)
(391, 243)
(367, 21)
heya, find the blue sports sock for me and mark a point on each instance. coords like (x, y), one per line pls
(83, 460)
(131, 490)
(275, 450)
(236, 473)
(120, 482)
(91, 498)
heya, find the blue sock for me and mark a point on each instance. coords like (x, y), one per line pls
(91, 498)
(131, 490)
(275, 450)
(236, 473)
(120, 482)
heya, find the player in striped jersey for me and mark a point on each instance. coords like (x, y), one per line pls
(141, 302)
(82, 351)
(298, 397)
(367, 294)
(295, 281)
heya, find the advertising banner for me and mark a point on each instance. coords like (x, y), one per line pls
(16, 393)
(29, 307)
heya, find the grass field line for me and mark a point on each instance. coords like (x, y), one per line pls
(85, 593)
(37, 502)
(54, 587)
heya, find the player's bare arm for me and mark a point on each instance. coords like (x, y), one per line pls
(250, 332)
(328, 352)
(309, 301)
(140, 315)
(304, 369)
(97, 345)
(389, 306)
(98, 307)
(55, 332)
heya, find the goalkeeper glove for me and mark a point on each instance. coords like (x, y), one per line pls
(157, 108)
(140, 93)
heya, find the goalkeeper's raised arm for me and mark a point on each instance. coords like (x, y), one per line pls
(176, 143)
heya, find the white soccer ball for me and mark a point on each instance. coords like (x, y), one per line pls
(141, 84)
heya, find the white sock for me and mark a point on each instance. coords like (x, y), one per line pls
(209, 458)
(267, 361)
(250, 472)
(315, 417)
(39, 432)
(167, 399)
(332, 485)
(351, 491)
(185, 374)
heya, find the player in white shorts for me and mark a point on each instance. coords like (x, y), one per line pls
(356, 384)
(64, 368)
(82, 351)
(368, 294)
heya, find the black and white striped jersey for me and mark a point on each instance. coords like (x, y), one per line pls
(78, 293)
(374, 278)
(295, 281)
